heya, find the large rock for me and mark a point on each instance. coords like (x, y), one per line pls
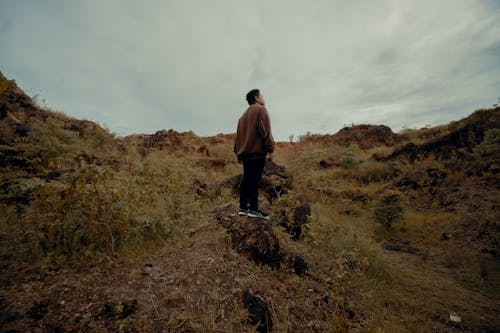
(252, 236)
(300, 218)
(256, 238)
(258, 312)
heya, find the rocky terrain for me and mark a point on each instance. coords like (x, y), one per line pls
(370, 230)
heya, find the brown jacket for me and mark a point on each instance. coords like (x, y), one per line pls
(253, 137)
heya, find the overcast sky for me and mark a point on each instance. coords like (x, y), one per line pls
(142, 66)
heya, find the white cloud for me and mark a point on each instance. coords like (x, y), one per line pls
(187, 65)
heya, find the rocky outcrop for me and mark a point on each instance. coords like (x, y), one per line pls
(365, 136)
(255, 237)
(295, 225)
(457, 143)
(222, 138)
(171, 141)
(258, 312)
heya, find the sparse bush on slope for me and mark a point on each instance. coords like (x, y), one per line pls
(487, 154)
(349, 161)
(389, 209)
(372, 171)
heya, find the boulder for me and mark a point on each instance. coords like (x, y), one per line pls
(301, 216)
(299, 265)
(258, 312)
(256, 238)
(252, 236)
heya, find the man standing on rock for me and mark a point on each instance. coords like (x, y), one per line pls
(253, 143)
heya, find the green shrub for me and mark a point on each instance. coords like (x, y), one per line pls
(489, 148)
(388, 210)
(349, 161)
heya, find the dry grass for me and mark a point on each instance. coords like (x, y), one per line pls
(97, 213)
(419, 136)
(372, 172)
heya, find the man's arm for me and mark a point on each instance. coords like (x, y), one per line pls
(265, 130)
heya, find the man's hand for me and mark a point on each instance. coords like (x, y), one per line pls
(270, 157)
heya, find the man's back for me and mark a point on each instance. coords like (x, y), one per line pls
(253, 137)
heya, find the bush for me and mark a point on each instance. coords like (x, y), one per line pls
(389, 210)
(360, 255)
(349, 161)
(489, 149)
(373, 171)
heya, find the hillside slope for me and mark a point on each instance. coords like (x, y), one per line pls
(370, 230)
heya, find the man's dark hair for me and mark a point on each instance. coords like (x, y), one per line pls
(251, 96)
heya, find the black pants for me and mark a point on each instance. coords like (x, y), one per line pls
(249, 189)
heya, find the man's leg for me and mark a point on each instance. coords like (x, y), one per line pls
(255, 173)
(244, 186)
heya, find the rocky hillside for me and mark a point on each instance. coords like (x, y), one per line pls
(370, 230)
(460, 140)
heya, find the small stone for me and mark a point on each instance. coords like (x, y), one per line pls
(455, 318)
(300, 267)
(118, 309)
(147, 270)
(445, 236)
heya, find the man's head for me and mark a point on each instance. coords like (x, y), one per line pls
(254, 96)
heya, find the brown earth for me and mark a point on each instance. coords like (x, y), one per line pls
(197, 284)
